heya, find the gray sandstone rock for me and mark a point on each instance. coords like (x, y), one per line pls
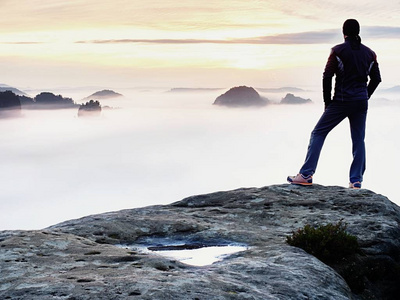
(81, 259)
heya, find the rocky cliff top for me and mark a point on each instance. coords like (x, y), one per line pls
(81, 259)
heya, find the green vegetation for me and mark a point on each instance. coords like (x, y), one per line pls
(340, 250)
(329, 243)
(334, 246)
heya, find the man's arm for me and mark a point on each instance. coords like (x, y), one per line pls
(328, 74)
(375, 76)
(326, 90)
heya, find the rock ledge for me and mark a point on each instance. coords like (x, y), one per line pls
(79, 259)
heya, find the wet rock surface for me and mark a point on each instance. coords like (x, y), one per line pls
(83, 258)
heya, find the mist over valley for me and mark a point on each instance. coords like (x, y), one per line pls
(158, 146)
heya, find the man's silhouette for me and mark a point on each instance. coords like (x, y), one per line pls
(351, 63)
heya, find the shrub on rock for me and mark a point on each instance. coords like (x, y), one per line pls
(329, 243)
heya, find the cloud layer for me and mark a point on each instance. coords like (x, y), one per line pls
(301, 38)
(311, 37)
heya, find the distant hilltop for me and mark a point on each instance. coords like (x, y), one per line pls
(292, 99)
(241, 96)
(90, 109)
(10, 105)
(104, 94)
(5, 87)
(45, 100)
(395, 89)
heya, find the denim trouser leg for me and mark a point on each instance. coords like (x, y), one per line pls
(331, 117)
(357, 127)
(356, 111)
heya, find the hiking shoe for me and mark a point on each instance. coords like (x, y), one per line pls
(300, 179)
(355, 185)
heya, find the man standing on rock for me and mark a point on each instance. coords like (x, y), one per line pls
(352, 63)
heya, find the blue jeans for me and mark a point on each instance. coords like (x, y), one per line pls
(356, 111)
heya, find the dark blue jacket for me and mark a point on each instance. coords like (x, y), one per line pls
(352, 63)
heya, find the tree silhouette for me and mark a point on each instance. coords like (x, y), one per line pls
(91, 108)
(9, 104)
(49, 100)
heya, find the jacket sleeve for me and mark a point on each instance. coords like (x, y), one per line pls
(329, 72)
(375, 77)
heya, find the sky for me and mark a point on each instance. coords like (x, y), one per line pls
(223, 43)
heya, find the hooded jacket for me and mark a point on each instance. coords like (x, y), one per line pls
(352, 63)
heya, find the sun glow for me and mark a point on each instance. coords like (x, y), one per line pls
(234, 34)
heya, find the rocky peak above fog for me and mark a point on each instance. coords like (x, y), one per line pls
(83, 259)
(50, 100)
(5, 87)
(292, 99)
(90, 109)
(10, 105)
(102, 95)
(241, 96)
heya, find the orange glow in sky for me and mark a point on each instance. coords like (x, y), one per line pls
(91, 41)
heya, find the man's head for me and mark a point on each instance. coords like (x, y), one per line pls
(351, 27)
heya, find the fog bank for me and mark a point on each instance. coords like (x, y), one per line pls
(160, 147)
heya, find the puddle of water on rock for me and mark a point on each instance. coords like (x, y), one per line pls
(202, 256)
(197, 257)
